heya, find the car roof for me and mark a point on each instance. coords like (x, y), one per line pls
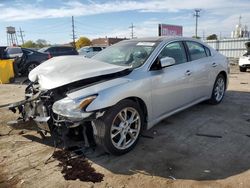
(164, 38)
(59, 46)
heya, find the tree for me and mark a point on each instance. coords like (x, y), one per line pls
(196, 37)
(41, 43)
(212, 37)
(82, 41)
(29, 44)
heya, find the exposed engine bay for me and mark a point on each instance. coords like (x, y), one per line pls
(38, 106)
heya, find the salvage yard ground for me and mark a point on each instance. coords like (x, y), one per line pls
(204, 146)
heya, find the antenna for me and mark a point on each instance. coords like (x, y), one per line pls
(73, 32)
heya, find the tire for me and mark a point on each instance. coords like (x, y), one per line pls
(115, 135)
(31, 67)
(243, 69)
(220, 84)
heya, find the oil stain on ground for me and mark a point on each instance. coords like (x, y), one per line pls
(77, 167)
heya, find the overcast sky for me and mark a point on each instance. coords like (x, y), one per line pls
(51, 19)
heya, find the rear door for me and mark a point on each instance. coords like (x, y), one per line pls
(200, 67)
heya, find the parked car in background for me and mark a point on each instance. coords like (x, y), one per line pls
(29, 60)
(13, 52)
(126, 88)
(2, 51)
(244, 61)
(54, 51)
(90, 51)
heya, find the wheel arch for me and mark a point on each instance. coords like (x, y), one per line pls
(142, 105)
(30, 63)
(224, 74)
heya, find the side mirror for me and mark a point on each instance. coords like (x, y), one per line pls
(167, 61)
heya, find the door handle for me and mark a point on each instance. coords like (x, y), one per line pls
(188, 73)
(214, 65)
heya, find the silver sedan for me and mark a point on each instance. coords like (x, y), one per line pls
(127, 87)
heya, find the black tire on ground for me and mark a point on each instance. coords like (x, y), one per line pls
(214, 100)
(243, 69)
(102, 127)
(31, 67)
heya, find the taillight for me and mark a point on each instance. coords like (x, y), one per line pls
(49, 56)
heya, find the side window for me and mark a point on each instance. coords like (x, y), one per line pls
(175, 50)
(97, 49)
(67, 50)
(196, 50)
(52, 50)
(27, 52)
(207, 51)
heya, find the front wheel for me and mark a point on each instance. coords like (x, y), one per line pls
(31, 67)
(218, 90)
(243, 69)
(119, 129)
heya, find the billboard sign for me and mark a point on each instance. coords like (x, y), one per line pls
(170, 30)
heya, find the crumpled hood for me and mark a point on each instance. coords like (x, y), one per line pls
(63, 70)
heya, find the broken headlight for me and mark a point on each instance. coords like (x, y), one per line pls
(73, 108)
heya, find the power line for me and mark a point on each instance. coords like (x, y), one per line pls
(132, 30)
(21, 34)
(73, 32)
(196, 15)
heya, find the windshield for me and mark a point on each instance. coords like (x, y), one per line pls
(84, 49)
(127, 53)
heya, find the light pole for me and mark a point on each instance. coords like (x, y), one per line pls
(196, 15)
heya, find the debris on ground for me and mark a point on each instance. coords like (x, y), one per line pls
(76, 167)
(209, 135)
(207, 171)
(173, 178)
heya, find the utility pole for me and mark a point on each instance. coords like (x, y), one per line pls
(73, 32)
(21, 34)
(132, 30)
(196, 15)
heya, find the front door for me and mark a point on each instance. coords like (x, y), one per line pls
(171, 86)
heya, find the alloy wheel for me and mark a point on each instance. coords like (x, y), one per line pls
(219, 89)
(125, 128)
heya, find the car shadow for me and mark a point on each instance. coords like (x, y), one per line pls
(204, 142)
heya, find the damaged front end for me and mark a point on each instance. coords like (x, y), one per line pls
(54, 113)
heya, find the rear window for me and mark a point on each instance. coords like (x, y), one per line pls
(14, 50)
(196, 50)
(97, 49)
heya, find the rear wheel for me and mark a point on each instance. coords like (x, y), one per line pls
(243, 69)
(218, 90)
(119, 129)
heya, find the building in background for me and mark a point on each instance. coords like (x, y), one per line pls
(106, 41)
(233, 47)
(240, 31)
